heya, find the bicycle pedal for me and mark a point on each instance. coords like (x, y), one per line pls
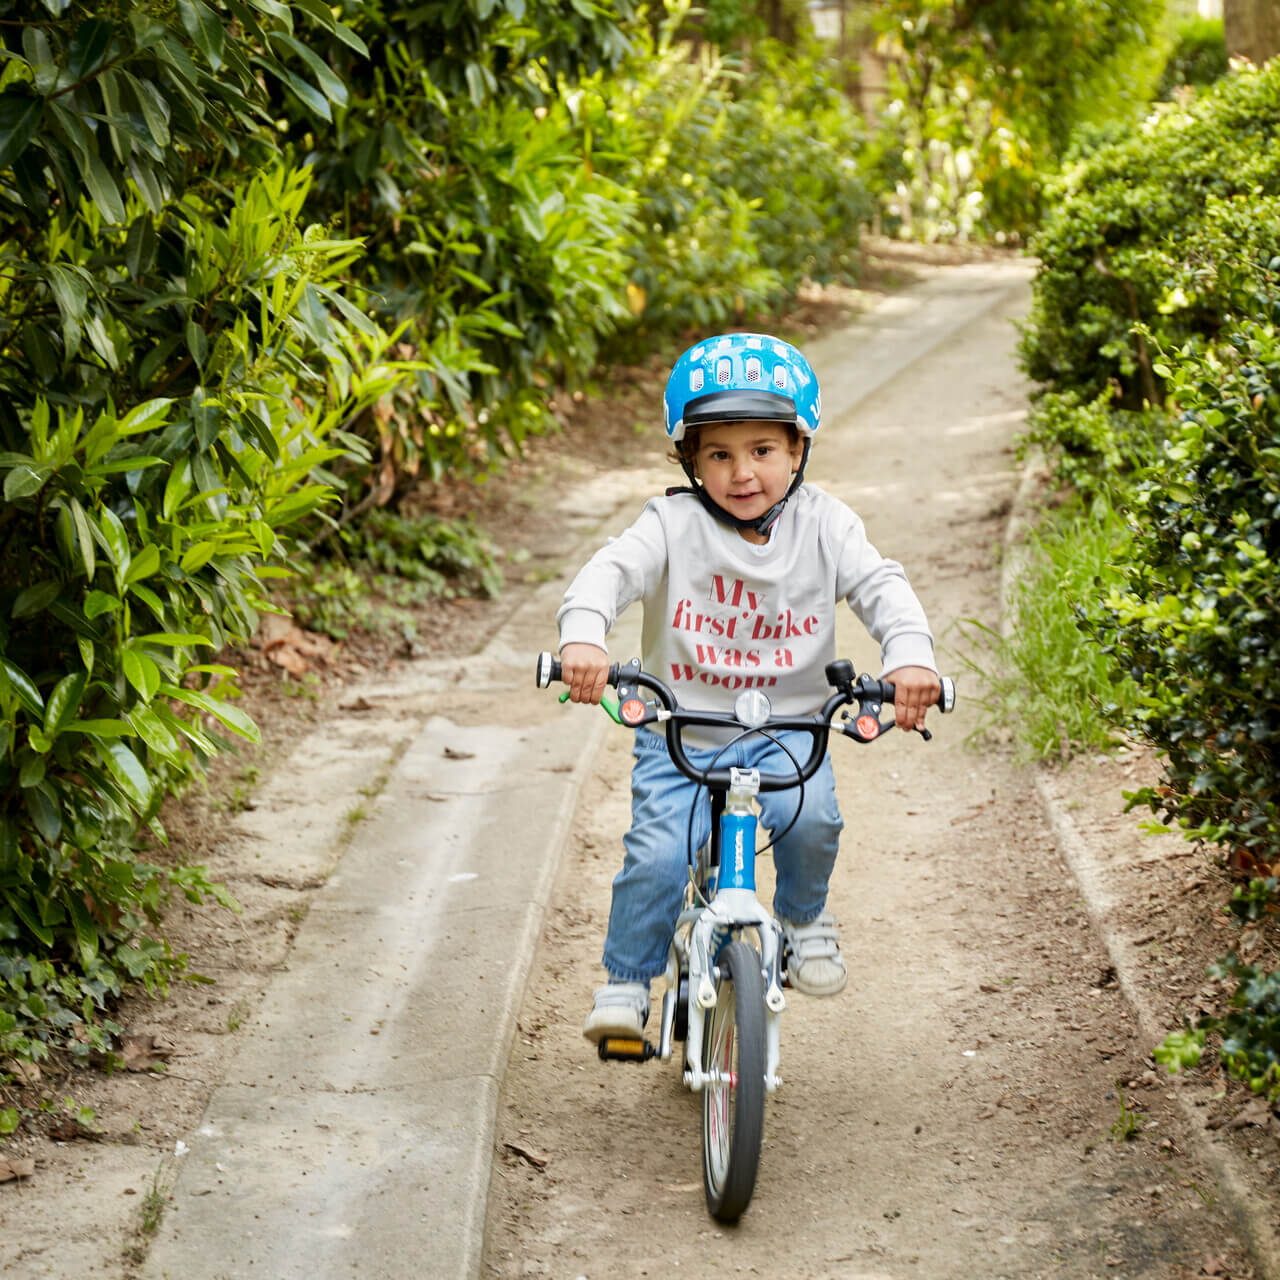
(625, 1049)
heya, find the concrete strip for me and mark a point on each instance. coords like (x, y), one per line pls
(374, 1061)
(354, 1130)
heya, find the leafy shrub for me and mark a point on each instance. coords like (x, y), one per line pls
(1147, 235)
(985, 102)
(1198, 57)
(1093, 446)
(746, 183)
(176, 362)
(1194, 622)
(493, 242)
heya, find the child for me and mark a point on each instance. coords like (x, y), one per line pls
(739, 574)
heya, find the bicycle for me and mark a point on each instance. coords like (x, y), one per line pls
(727, 966)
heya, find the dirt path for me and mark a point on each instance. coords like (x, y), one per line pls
(960, 1109)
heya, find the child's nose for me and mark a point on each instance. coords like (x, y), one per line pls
(742, 468)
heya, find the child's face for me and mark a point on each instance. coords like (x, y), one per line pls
(747, 466)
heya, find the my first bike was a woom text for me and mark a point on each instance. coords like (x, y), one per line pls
(726, 969)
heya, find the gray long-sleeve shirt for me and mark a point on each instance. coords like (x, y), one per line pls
(722, 615)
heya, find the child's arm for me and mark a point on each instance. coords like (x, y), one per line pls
(585, 669)
(916, 689)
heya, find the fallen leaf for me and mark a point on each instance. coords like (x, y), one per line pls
(12, 1167)
(68, 1130)
(358, 704)
(1257, 1112)
(527, 1154)
(144, 1052)
(452, 753)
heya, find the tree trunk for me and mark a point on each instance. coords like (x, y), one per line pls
(1252, 29)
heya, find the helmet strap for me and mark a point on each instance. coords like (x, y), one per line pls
(761, 524)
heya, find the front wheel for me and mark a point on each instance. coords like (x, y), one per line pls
(733, 1049)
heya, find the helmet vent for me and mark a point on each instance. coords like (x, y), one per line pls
(780, 377)
(695, 380)
(724, 371)
(752, 369)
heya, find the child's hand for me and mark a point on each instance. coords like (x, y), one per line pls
(916, 689)
(585, 669)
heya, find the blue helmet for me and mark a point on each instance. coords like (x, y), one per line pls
(739, 376)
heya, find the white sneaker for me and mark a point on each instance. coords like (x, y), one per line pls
(815, 966)
(620, 1010)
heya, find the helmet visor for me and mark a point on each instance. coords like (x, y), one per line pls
(739, 406)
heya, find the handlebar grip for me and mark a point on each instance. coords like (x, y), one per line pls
(946, 700)
(549, 671)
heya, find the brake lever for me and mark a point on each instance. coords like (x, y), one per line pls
(867, 726)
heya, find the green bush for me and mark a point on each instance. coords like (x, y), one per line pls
(1149, 233)
(1093, 447)
(747, 184)
(1194, 623)
(493, 243)
(177, 361)
(1198, 57)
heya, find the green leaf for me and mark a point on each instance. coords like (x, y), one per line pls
(312, 99)
(21, 684)
(330, 85)
(197, 556)
(64, 702)
(232, 717)
(20, 116)
(102, 188)
(154, 109)
(19, 904)
(197, 343)
(204, 28)
(144, 564)
(86, 930)
(116, 541)
(128, 772)
(141, 672)
(135, 462)
(192, 732)
(32, 772)
(350, 39)
(97, 603)
(25, 480)
(88, 48)
(85, 538)
(150, 415)
(176, 488)
(176, 640)
(101, 728)
(70, 287)
(153, 731)
(36, 598)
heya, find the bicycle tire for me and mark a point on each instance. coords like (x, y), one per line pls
(733, 1113)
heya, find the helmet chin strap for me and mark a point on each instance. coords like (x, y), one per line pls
(761, 524)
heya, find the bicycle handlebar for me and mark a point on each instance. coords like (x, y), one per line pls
(868, 693)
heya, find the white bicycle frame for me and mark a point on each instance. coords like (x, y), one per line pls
(701, 931)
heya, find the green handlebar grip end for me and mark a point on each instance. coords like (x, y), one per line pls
(609, 703)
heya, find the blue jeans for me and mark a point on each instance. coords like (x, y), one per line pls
(649, 890)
